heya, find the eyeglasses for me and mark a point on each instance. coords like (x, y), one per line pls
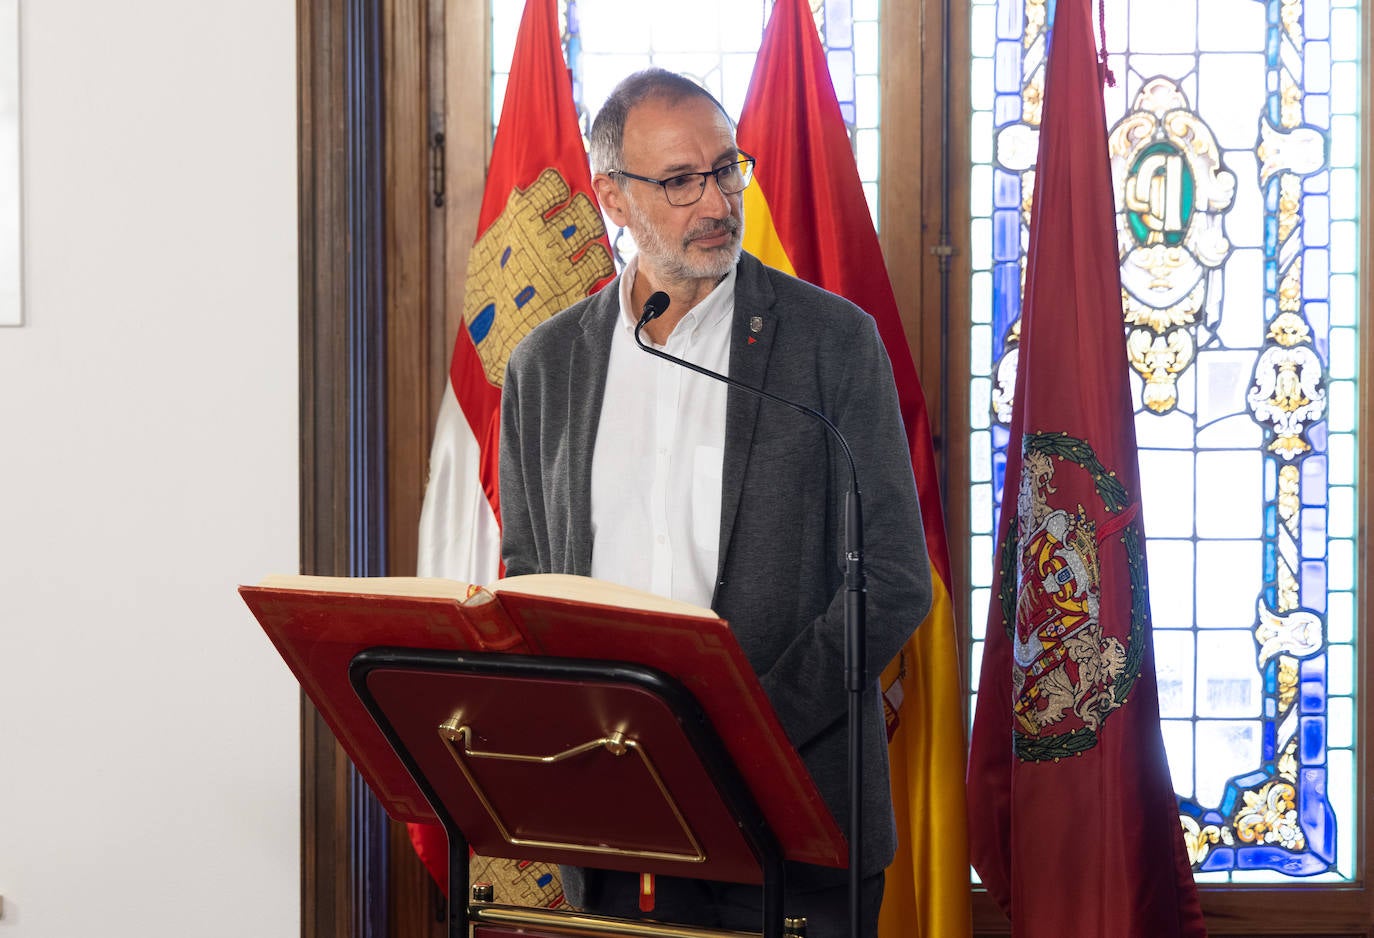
(687, 188)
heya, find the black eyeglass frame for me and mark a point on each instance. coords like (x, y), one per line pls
(744, 160)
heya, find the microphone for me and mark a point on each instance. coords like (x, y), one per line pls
(855, 665)
(655, 306)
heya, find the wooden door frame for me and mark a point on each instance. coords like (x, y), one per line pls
(365, 153)
(370, 367)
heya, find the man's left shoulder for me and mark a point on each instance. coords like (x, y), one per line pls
(798, 301)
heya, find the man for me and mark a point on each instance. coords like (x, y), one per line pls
(621, 466)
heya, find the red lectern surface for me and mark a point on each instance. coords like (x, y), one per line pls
(585, 770)
(318, 633)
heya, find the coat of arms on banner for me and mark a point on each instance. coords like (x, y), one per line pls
(1071, 668)
(541, 255)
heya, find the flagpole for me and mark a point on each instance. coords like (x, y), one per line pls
(856, 679)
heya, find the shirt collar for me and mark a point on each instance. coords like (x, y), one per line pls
(708, 314)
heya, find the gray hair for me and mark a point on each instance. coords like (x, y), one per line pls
(607, 140)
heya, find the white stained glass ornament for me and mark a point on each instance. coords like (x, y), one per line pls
(1229, 494)
(1229, 578)
(1222, 745)
(1340, 565)
(1163, 25)
(978, 612)
(1171, 579)
(1340, 787)
(1178, 747)
(1222, 378)
(1340, 722)
(980, 566)
(1340, 617)
(1166, 492)
(1175, 655)
(1228, 683)
(1230, 25)
(1341, 513)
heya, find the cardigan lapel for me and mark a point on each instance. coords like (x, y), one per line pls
(751, 343)
(588, 362)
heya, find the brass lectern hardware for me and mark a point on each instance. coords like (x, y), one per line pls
(616, 745)
(794, 927)
(483, 892)
(577, 923)
(458, 738)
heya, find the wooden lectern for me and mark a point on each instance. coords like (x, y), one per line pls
(535, 727)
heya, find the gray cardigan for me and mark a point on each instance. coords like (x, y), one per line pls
(780, 582)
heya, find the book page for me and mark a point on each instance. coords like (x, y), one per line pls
(587, 590)
(424, 587)
(549, 585)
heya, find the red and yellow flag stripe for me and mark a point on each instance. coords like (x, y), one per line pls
(806, 214)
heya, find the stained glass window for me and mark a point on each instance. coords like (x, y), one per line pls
(714, 42)
(1234, 133)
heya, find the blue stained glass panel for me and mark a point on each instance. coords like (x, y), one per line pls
(1006, 189)
(1251, 534)
(839, 21)
(1008, 68)
(1319, 218)
(1006, 235)
(1314, 533)
(1009, 16)
(1313, 577)
(1007, 110)
(841, 64)
(1312, 736)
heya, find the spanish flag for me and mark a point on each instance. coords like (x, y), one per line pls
(807, 215)
(541, 246)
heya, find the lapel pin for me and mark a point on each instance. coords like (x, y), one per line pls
(755, 323)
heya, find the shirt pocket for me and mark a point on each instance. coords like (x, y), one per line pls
(706, 475)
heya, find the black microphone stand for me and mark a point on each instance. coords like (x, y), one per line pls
(855, 599)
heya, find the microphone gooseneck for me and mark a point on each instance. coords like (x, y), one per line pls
(855, 651)
(657, 304)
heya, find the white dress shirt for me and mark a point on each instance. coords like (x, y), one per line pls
(660, 443)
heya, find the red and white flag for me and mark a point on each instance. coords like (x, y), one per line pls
(541, 246)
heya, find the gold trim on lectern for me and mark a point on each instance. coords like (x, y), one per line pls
(453, 732)
(582, 923)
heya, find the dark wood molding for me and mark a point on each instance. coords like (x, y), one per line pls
(342, 270)
(410, 216)
(417, 355)
(325, 901)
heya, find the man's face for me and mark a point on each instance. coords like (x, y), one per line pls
(678, 242)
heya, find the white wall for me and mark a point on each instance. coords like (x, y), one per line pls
(148, 464)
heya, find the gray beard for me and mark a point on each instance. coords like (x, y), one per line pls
(676, 265)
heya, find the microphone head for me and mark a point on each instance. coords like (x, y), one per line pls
(655, 306)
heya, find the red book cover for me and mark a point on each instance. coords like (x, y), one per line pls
(317, 633)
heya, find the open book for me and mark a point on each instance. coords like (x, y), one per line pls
(551, 585)
(318, 625)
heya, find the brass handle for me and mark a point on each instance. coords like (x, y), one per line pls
(457, 738)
